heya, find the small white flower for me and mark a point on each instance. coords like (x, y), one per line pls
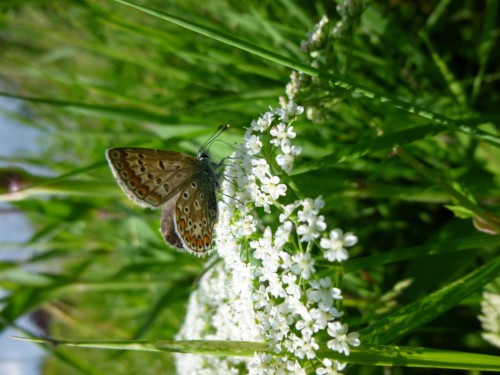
(293, 292)
(319, 319)
(245, 227)
(291, 110)
(331, 368)
(293, 367)
(285, 161)
(259, 363)
(310, 208)
(289, 279)
(273, 187)
(249, 225)
(260, 168)
(261, 298)
(296, 150)
(287, 210)
(305, 327)
(275, 287)
(288, 149)
(282, 134)
(285, 260)
(281, 327)
(262, 200)
(263, 122)
(293, 87)
(282, 234)
(297, 307)
(341, 339)
(253, 145)
(263, 246)
(322, 294)
(311, 230)
(303, 265)
(305, 347)
(335, 245)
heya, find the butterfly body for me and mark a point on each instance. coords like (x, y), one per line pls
(182, 185)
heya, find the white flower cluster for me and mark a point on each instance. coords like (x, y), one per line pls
(219, 309)
(349, 11)
(315, 39)
(266, 288)
(319, 45)
(490, 316)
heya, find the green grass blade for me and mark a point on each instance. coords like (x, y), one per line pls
(449, 246)
(373, 355)
(422, 311)
(423, 357)
(225, 38)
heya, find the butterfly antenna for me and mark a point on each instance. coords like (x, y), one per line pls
(221, 129)
(226, 143)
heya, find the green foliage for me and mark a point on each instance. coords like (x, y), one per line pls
(401, 136)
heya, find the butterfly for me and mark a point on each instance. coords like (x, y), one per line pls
(183, 186)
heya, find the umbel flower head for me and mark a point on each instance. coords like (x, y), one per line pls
(266, 288)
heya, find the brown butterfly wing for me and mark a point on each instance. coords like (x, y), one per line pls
(167, 225)
(196, 215)
(149, 177)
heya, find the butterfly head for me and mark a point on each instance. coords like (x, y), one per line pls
(203, 155)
